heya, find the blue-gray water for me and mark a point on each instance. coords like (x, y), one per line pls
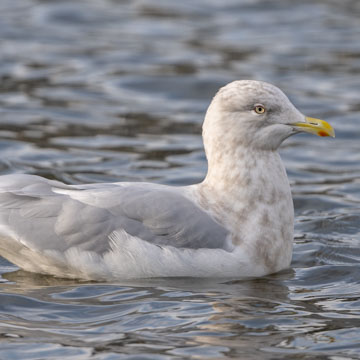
(94, 91)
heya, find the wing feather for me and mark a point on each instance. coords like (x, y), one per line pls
(48, 215)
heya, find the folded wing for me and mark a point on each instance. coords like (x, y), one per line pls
(42, 215)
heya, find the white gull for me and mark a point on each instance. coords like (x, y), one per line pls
(237, 223)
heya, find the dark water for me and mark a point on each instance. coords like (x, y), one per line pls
(94, 91)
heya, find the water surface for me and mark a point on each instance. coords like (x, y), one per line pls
(96, 91)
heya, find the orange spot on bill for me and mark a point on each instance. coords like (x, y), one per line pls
(322, 133)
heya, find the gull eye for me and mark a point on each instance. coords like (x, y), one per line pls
(259, 109)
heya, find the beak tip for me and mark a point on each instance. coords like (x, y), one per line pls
(323, 133)
(318, 127)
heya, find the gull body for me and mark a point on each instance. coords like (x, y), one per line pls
(238, 222)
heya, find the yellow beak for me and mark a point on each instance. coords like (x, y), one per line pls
(315, 126)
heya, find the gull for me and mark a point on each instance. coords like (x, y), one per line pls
(238, 222)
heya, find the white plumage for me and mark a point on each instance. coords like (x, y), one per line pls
(237, 223)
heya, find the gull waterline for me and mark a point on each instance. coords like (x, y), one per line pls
(238, 222)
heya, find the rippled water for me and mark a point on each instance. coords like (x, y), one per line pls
(94, 91)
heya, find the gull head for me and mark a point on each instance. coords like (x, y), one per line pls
(256, 115)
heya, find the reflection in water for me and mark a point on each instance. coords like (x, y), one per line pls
(116, 90)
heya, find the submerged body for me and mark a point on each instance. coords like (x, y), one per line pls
(237, 223)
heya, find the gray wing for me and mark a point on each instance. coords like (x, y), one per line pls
(44, 214)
